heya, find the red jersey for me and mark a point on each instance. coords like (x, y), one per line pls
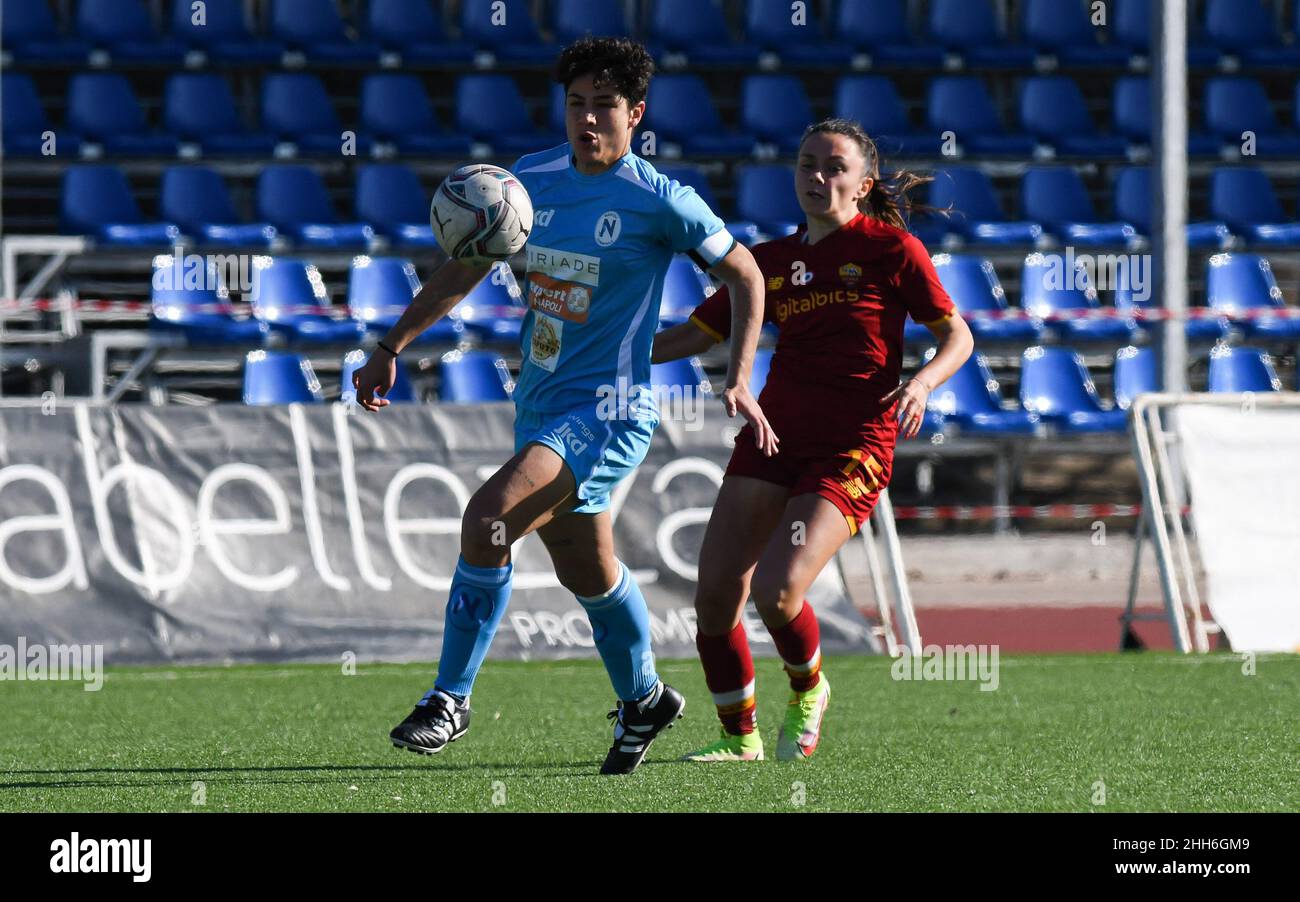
(839, 306)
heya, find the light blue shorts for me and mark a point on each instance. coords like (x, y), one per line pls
(599, 450)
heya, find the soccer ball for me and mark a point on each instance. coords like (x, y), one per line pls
(481, 214)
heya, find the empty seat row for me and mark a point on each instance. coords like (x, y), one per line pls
(1057, 390)
(286, 377)
(960, 32)
(1054, 201)
(395, 109)
(289, 298)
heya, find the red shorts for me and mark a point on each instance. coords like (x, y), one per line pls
(850, 479)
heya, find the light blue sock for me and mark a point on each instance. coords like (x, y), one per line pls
(474, 610)
(620, 624)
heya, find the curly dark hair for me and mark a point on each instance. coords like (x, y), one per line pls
(888, 200)
(618, 62)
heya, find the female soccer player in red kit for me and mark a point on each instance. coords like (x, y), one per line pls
(839, 291)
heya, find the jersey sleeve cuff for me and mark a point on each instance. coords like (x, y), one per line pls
(712, 249)
(935, 322)
(707, 329)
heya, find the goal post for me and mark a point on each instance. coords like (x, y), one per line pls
(1221, 508)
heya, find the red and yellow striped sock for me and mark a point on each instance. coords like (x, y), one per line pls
(799, 645)
(729, 673)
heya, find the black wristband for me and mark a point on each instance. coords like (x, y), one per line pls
(388, 349)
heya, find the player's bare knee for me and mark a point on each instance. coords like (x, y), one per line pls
(483, 531)
(773, 595)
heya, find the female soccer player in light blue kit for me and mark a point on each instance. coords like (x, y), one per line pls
(606, 226)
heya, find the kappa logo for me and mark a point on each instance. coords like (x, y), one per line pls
(543, 217)
(608, 228)
(774, 283)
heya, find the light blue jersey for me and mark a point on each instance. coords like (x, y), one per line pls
(597, 258)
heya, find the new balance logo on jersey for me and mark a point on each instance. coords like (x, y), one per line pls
(543, 217)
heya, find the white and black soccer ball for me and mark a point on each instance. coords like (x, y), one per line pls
(481, 214)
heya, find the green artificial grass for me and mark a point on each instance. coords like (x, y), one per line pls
(1161, 732)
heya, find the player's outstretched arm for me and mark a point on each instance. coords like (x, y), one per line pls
(955, 345)
(444, 289)
(683, 340)
(744, 279)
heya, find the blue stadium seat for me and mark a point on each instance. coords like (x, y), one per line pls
(103, 108)
(1057, 198)
(1243, 198)
(294, 200)
(1048, 289)
(1053, 111)
(976, 213)
(315, 29)
(698, 30)
(765, 196)
(200, 108)
(494, 311)
(380, 288)
(1132, 30)
(396, 109)
(973, 285)
(297, 109)
(389, 197)
(513, 38)
(473, 377)
(1056, 385)
(223, 34)
(280, 285)
(969, 28)
(770, 25)
(961, 104)
(971, 400)
(490, 109)
(758, 374)
(1133, 199)
(1137, 294)
(575, 18)
(196, 199)
(685, 374)
(775, 109)
(25, 121)
(1236, 283)
(679, 108)
(1132, 116)
(1242, 369)
(1235, 105)
(879, 27)
(191, 312)
(279, 377)
(1246, 28)
(30, 34)
(683, 291)
(413, 29)
(1062, 28)
(97, 201)
(1136, 373)
(125, 29)
(874, 102)
(401, 391)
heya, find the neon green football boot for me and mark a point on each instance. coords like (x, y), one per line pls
(802, 729)
(745, 747)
